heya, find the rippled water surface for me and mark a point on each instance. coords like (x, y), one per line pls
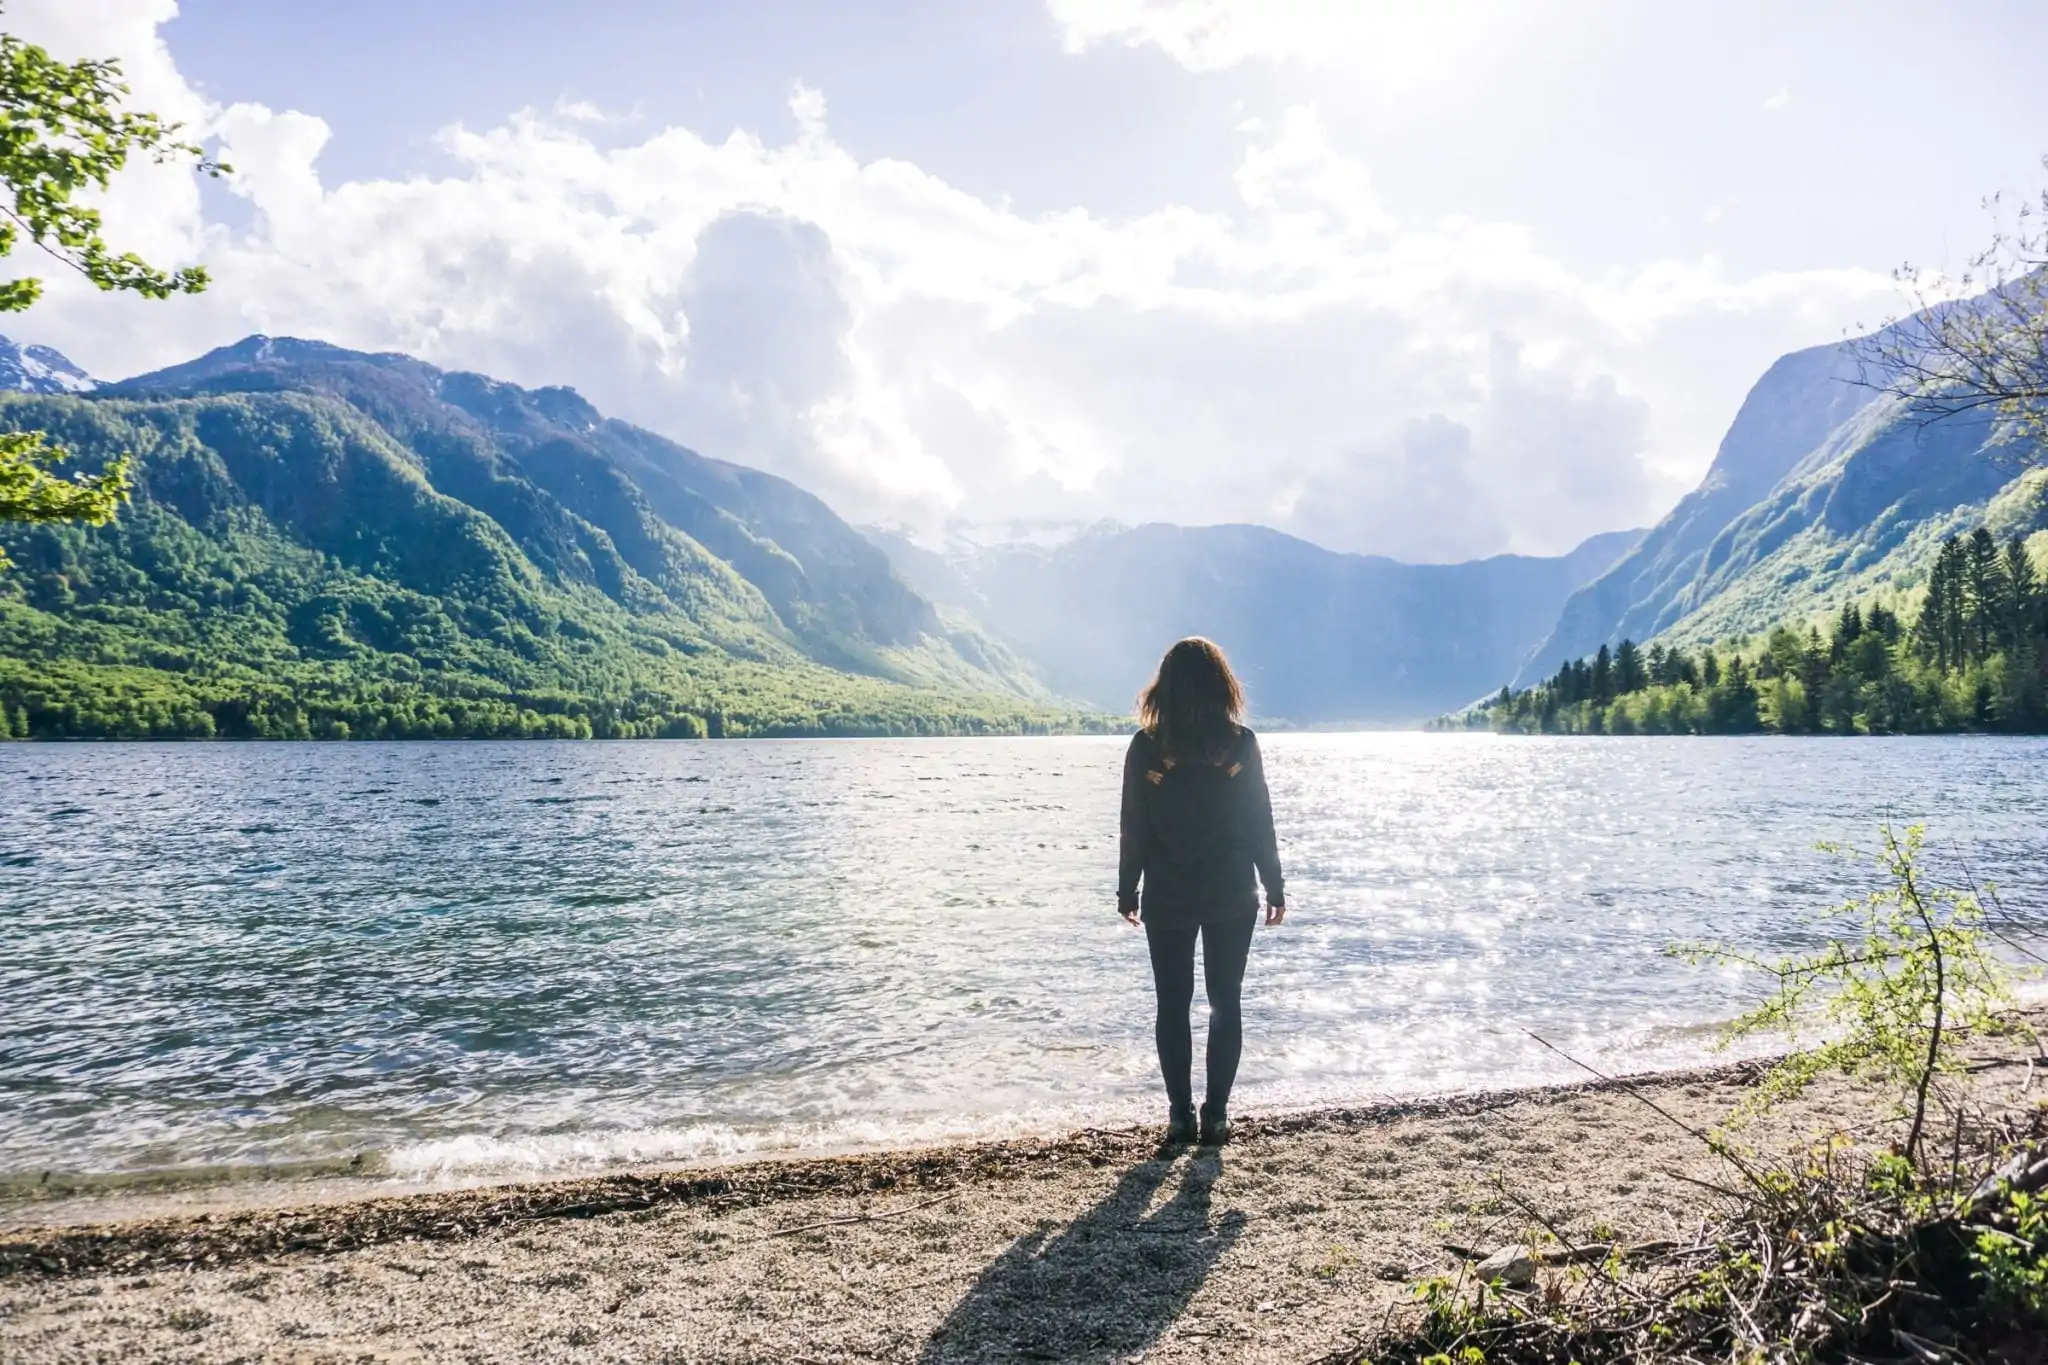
(465, 959)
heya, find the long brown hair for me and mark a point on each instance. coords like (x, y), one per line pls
(1194, 702)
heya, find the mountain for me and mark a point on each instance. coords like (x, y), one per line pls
(1320, 637)
(1823, 491)
(38, 369)
(358, 540)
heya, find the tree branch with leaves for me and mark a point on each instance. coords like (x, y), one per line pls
(63, 134)
(1954, 354)
(1887, 1000)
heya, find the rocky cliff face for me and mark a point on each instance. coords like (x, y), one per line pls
(1822, 491)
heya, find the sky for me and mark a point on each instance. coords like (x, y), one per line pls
(1432, 281)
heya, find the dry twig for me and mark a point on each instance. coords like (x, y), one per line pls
(857, 1218)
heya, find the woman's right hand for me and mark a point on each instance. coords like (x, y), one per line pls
(1130, 917)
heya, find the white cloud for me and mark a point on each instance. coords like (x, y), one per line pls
(1392, 41)
(578, 111)
(911, 351)
(1778, 101)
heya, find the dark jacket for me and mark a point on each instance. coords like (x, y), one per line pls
(1194, 832)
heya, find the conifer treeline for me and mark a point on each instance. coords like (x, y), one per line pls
(1974, 658)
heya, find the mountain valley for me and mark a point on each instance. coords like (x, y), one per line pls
(329, 542)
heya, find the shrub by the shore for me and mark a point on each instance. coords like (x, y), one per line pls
(1933, 1249)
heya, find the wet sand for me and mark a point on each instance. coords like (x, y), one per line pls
(1297, 1238)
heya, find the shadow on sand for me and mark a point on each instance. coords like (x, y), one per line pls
(1106, 1286)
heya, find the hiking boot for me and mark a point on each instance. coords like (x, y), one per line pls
(1215, 1127)
(1180, 1127)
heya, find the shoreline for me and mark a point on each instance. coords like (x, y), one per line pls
(54, 1198)
(1307, 1234)
(325, 1212)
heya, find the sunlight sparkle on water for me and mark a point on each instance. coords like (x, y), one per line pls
(471, 959)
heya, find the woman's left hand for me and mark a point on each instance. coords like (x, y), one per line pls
(1130, 917)
(1275, 914)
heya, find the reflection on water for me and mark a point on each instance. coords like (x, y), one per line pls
(505, 957)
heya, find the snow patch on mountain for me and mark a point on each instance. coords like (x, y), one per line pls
(38, 369)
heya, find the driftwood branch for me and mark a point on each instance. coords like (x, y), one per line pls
(1583, 1252)
(856, 1218)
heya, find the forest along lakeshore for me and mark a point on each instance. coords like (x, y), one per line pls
(1975, 659)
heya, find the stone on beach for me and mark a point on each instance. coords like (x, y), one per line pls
(1512, 1266)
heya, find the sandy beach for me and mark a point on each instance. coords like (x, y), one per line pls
(1298, 1238)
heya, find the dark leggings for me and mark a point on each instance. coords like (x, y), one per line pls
(1225, 946)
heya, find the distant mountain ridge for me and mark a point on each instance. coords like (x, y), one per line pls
(828, 587)
(526, 457)
(1321, 637)
(359, 522)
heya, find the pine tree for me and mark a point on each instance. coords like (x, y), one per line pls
(1937, 631)
(1629, 675)
(2023, 616)
(1955, 607)
(1986, 592)
(1848, 629)
(1603, 677)
(1737, 708)
(1815, 667)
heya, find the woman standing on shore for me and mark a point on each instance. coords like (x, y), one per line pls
(1197, 823)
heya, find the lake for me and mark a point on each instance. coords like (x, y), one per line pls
(460, 961)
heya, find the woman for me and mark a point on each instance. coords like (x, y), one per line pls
(1197, 821)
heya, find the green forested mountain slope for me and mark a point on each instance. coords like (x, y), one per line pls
(1823, 493)
(1864, 516)
(322, 539)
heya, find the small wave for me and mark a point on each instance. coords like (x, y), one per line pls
(22, 1187)
(1701, 1032)
(590, 898)
(479, 1156)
